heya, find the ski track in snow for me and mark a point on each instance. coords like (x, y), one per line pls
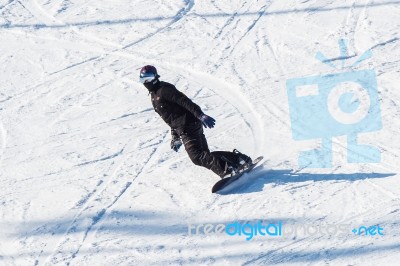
(3, 137)
(181, 13)
(117, 188)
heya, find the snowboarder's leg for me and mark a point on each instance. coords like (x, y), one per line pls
(197, 149)
(220, 162)
(227, 156)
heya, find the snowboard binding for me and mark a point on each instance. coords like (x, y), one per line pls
(234, 168)
(232, 177)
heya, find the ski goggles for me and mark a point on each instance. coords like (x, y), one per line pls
(146, 77)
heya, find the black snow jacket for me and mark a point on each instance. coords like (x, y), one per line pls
(175, 108)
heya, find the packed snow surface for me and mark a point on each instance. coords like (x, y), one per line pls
(87, 175)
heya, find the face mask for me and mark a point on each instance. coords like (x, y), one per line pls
(152, 85)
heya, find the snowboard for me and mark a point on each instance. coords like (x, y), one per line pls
(229, 180)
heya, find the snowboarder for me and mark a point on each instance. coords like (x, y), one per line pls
(186, 120)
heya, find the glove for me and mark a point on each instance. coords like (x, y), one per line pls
(207, 121)
(176, 143)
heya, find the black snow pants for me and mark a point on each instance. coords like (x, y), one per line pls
(196, 146)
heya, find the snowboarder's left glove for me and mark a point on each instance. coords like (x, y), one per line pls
(207, 121)
(176, 143)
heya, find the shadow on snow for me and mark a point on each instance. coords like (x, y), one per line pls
(263, 176)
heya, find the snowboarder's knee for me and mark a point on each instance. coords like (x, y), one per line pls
(200, 158)
(196, 160)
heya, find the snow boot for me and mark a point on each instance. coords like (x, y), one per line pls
(244, 160)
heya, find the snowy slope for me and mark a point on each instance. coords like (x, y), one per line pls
(88, 177)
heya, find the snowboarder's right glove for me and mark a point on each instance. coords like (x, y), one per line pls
(176, 143)
(207, 121)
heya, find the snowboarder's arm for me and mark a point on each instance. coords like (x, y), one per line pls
(174, 134)
(173, 95)
(176, 141)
